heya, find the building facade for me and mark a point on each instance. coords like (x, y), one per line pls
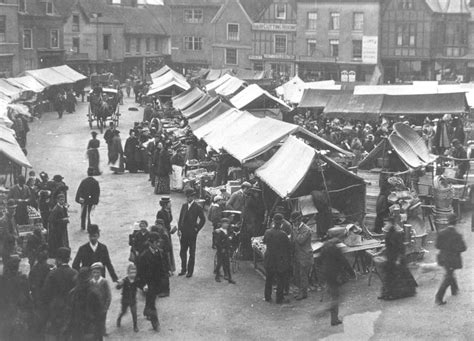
(337, 40)
(9, 38)
(424, 40)
(274, 39)
(192, 32)
(40, 28)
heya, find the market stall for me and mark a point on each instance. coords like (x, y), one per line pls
(187, 98)
(27, 83)
(211, 114)
(230, 87)
(354, 107)
(9, 92)
(212, 86)
(201, 106)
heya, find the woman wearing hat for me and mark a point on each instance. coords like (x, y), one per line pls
(58, 221)
(93, 153)
(165, 214)
(116, 153)
(163, 171)
(130, 152)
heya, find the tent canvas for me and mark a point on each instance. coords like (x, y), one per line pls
(355, 107)
(215, 74)
(316, 98)
(69, 73)
(49, 77)
(258, 138)
(9, 91)
(249, 74)
(251, 94)
(230, 87)
(427, 104)
(204, 103)
(208, 116)
(192, 95)
(27, 83)
(13, 152)
(285, 171)
(218, 82)
(293, 90)
(160, 72)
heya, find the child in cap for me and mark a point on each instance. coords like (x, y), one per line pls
(223, 238)
(103, 288)
(129, 296)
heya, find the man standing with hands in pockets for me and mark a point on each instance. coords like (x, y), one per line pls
(191, 221)
(87, 196)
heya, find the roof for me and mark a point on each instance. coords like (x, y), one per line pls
(251, 94)
(427, 104)
(209, 115)
(448, 6)
(230, 87)
(285, 171)
(69, 73)
(258, 138)
(217, 82)
(49, 77)
(195, 3)
(163, 87)
(255, 8)
(315, 98)
(355, 107)
(160, 72)
(167, 80)
(201, 106)
(26, 83)
(9, 91)
(187, 98)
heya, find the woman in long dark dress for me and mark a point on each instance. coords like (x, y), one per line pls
(165, 214)
(131, 152)
(93, 153)
(116, 153)
(58, 220)
(397, 281)
(164, 170)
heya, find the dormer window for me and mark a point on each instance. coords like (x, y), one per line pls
(49, 7)
(280, 11)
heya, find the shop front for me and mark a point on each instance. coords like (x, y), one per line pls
(50, 57)
(278, 65)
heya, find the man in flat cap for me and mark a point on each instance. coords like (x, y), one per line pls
(237, 199)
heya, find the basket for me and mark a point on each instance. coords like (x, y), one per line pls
(405, 152)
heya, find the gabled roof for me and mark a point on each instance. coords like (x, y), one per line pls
(195, 3)
(255, 8)
(448, 6)
(38, 8)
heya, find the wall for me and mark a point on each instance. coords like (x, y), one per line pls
(10, 64)
(87, 35)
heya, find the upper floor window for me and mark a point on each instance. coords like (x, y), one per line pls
(22, 6)
(406, 35)
(231, 56)
(27, 39)
(193, 43)
(334, 47)
(3, 28)
(75, 23)
(311, 43)
(147, 44)
(193, 16)
(54, 39)
(357, 49)
(334, 22)
(280, 11)
(233, 32)
(312, 21)
(280, 45)
(405, 4)
(157, 44)
(138, 47)
(49, 7)
(358, 21)
(76, 46)
(127, 44)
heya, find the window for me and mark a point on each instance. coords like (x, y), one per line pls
(3, 28)
(258, 66)
(54, 39)
(76, 45)
(280, 11)
(138, 47)
(334, 23)
(357, 49)
(49, 7)
(312, 21)
(334, 47)
(406, 35)
(22, 6)
(157, 44)
(127, 44)
(231, 56)
(147, 44)
(358, 21)
(280, 44)
(193, 16)
(405, 4)
(27, 39)
(193, 43)
(233, 32)
(75, 23)
(311, 43)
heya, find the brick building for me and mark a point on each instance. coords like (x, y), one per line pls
(9, 38)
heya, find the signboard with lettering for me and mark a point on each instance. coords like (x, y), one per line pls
(370, 49)
(352, 76)
(344, 76)
(279, 56)
(273, 27)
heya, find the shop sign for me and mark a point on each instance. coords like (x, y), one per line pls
(370, 47)
(273, 27)
(279, 56)
(352, 76)
(344, 76)
(255, 57)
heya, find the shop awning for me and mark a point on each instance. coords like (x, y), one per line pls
(26, 83)
(209, 115)
(13, 151)
(69, 73)
(49, 77)
(428, 104)
(230, 87)
(198, 108)
(258, 138)
(315, 98)
(218, 82)
(9, 92)
(187, 98)
(285, 171)
(253, 93)
(354, 107)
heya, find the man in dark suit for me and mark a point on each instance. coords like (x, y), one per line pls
(55, 293)
(87, 196)
(450, 244)
(191, 221)
(276, 261)
(93, 252)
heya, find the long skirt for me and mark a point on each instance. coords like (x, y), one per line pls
(162, 185)
(171, 256)
(397, 281)
(58, 237)
(177, 178)
(117, 166)
(94, 160)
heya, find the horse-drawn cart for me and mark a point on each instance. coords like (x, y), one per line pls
(103, 105)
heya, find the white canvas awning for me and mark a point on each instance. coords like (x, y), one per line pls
(160, 72)
(26, 83)
(285, 171)
(8, 91)
(167, 81)
(253, 93)
(69, 73)
(187, 98)
(49, 77)
(11, 149)
(218, 82)
(230, 87)
(292, 91)
(210, 115)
